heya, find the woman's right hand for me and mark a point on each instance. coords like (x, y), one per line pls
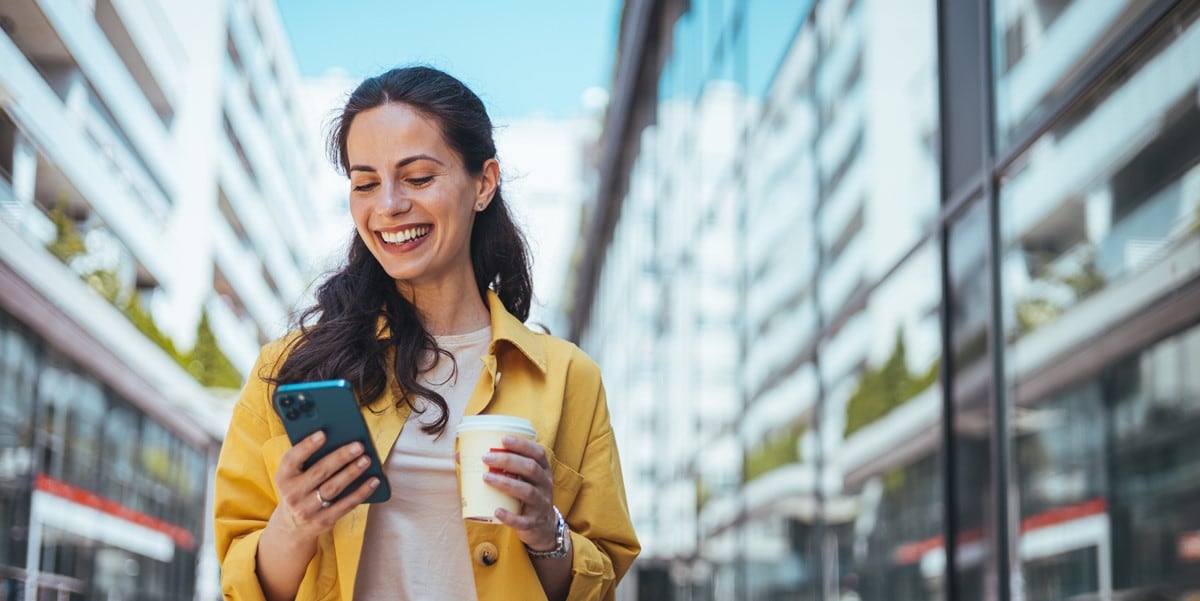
(289, 540)
(305, 508)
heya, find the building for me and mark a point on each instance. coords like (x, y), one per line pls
(878, 322)
(155, 217)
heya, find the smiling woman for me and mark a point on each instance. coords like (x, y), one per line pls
(422, 320)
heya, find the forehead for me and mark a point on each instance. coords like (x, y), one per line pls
(393, 131)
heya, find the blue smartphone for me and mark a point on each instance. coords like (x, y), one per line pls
(330, 405)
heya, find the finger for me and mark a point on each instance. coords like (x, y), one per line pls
(338, 482)
(326, 516)
(521, 490)
(354, 499)
(293, 460)
(527, 448)
(518, 465)
(539, 530)
(332, 463)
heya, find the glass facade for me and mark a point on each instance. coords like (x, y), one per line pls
(96, 496)
(1099, 221)
(877, 324)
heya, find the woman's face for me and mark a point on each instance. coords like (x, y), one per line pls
(412, 200)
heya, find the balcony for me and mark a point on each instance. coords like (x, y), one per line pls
(104, 70)
(74, 163)
(146, 41)
(243, 270)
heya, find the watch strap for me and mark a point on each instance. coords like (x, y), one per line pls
(562, 537)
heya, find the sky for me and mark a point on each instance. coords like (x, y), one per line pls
(522, 57)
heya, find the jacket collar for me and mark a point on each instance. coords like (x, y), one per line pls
(505, 328)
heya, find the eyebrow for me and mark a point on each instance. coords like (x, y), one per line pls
(399, 164)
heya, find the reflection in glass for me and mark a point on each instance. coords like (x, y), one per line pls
(887, 517)
(1106, 196)
(1101, 221)
(1040, 47)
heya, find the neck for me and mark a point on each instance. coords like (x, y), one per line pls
(447, 309)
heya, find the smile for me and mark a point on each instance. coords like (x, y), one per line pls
(405, 235)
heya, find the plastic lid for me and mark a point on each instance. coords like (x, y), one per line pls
(497, 423)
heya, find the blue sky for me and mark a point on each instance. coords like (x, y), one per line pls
(523, 57)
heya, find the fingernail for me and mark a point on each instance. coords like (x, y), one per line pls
(357, 448)
(374, 483)
(363, 461)
(510, 440)
(490, 477)
(318, 437)
(501, 513)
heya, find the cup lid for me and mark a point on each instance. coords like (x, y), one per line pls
(497, 423)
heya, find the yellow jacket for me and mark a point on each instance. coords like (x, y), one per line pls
(546, 380)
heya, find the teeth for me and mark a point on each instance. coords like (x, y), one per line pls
(403, 236)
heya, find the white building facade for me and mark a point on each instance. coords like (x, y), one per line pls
(157, 186)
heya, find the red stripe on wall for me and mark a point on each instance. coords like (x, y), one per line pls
(182, 537)
(910, 553)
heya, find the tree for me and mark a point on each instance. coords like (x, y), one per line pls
(882, 389)
(207, 363)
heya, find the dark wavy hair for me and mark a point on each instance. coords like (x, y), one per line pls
(346, 339)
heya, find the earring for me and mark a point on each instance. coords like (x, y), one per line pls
(478, 207)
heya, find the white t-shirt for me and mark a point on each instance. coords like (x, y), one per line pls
(415, 546)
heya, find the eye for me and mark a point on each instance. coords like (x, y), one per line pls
(365, 187)
(420, 182)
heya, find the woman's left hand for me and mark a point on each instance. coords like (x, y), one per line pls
(531, 482)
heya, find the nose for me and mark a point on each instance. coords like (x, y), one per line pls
(392, 201)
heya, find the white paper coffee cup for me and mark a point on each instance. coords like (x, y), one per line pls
(476, 435)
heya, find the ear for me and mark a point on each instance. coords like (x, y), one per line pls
(489, 180)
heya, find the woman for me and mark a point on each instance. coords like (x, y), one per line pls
(423, 320)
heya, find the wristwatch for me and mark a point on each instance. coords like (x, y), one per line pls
(562, 537)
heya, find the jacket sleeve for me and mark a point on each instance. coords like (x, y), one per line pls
(602, 535)
(244, 495)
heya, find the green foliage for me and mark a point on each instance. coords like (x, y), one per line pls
(68, 242)
(208, 364)
(780, 448)
(205, 362)
(703, 493)
(106, 283)
(1035, 312)
(894, 480)
(144, 322)
(886, 387)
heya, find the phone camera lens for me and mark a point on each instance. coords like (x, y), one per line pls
(292, 414)
(287, 401)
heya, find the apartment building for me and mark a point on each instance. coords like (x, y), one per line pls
(157, 213)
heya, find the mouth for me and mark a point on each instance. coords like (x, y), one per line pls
(406, 236)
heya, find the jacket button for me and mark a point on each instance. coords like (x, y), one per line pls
(486, 554)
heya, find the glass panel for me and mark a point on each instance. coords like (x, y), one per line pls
(56, 387)
(886, 415)
(18, 373)
(1101, 222)
(1040, 47)
(1102, 199)
(121, 440)
(974, 509)
(84, 432)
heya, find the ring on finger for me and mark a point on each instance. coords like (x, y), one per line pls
(324, 503)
